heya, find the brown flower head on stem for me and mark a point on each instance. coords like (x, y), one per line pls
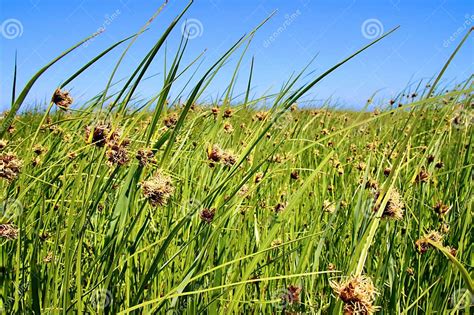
(10, 166)
(329, 206)
(170, 120)
(440, 208)
(145, 156)
(228, 159)
(258, 177)
(394, 206)
(422, 245)
(3, 144)
(357, 293)
(279, 207)
(62, 98)
(118, 154)
(158, 189)
(228, 113)
(215, 111)
(97, 134)
(422, 177)
(260, 116)
(207, 214)
(295, 175)
(8, 231)
(214, 153)
(38, 149)
(292, 295)
(228, 128)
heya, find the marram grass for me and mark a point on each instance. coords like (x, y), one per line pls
(157, 206)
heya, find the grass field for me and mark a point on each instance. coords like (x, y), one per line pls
(121, 205)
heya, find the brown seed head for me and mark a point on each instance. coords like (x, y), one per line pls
(3, 144)
(329, 206)
(62, 98)
(214, 153)
(422, 245)
(8, 231)
(228, 127)
(145, 156)
(117, 154)
(228, 113)
(10, 166)
(440, 208)
(260, 116)
(422, 177)
(170, 120)
(207, 214)
(158, 189)
(292, 295)
(258, 177)
(357, 293)
(394, 207)
(295, 175)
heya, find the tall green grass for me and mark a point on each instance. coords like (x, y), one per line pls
(291, 212)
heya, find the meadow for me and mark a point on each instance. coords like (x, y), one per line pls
(256, 206)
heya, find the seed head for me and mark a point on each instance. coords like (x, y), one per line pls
(258, 177)
(207, 214)
(10, 166)
(228, 113)
(8, 231)
(394, 207)
(295, 175)
(62, 99)
(260, 116)
(228, 159)
(279, 207)
(214, 153)
(372, 184)
(72, 155)
(292, 295)
(228, 127)
(441, 209)
(38, 149)
(171, 120)
(329, 206)
(145, 156)
(422, 245)
(99, 132)
(158, 189)
(215, 111)
(48, 258)
(3, 144)
(422, 177)
(357, 293)
(118, 154)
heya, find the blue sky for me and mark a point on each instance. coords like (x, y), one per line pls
(430, 31)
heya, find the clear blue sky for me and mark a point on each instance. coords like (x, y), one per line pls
(430, 31)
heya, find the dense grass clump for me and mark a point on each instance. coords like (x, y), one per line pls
(233, 207)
